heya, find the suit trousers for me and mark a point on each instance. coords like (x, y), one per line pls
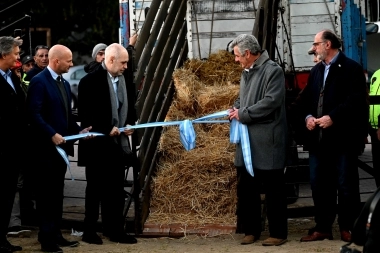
(8, 186)
(51, 172)
(249, 189)
(332, 173)
(105, 187)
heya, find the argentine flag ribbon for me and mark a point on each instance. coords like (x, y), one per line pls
(238, 132)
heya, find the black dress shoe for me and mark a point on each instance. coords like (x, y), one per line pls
(92, 238)
(123, 238)
(53, 248)
(6, 247)
(62, 242)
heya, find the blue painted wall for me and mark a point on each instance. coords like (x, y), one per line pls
(354, 33)
(124, 23)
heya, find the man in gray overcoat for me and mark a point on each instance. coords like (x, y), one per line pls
(261, 106)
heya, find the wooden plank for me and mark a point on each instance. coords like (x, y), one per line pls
(179, 230)
(224, 16)
(323, 18)
(312, 9)
(208, 6)
(309, 1)
(308, 29)
(223, 26)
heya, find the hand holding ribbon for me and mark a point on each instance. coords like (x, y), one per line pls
(238, 133)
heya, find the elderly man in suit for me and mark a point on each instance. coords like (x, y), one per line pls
(50, 120)
(12, 129)
(261, 106)
(106, 102)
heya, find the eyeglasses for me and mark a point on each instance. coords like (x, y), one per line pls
(41, 47)
(317, 43)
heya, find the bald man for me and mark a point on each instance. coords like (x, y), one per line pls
(48, 103)
(106, 101)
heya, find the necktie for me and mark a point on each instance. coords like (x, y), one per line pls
(63, 93)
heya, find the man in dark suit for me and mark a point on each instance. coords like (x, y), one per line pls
(334, 106)
(106, 101)
(50, 119)
(12, 133)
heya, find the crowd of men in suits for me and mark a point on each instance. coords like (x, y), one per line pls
(39, 117)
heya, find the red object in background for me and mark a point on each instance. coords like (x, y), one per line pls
(298, 82)
(302, 79)
(18, 65)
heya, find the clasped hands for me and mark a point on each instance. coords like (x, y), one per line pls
(322, 122)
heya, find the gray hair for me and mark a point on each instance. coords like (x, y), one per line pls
(7, 43)
(246, 42)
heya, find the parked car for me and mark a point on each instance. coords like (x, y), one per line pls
(73, 77)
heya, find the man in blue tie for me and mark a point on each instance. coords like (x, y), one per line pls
(12, 133)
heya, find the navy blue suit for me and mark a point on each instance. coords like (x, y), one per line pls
(48, 116)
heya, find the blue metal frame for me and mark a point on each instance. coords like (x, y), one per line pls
(354, 32)
(124, 23)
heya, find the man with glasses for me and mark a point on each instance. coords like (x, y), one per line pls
(41, 61)
(334, 107)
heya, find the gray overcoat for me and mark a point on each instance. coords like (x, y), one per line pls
(261, 105)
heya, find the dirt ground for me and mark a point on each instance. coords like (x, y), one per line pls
(192, 243)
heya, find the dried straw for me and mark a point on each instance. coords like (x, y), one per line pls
(198, 187)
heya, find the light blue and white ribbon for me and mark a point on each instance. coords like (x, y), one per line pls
(239, 134)
(187, 135)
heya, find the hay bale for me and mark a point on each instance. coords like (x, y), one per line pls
(216, 98)
(218, 69)
(198, 187)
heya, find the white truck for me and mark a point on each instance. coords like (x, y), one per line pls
(212, 24)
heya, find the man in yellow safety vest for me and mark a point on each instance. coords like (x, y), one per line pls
(374, 131)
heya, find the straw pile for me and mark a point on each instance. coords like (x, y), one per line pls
(198, 187)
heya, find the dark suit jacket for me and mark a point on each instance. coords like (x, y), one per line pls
(94, 109)
(32, 72)
(47, 113)
(12, 115)
(345, 100)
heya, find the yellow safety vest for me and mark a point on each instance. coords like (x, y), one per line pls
(23, 80)
(374, 89)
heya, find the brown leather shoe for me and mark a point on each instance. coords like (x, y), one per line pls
(345, 235)
(271, 241)
(316, 236)
(248, 239)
